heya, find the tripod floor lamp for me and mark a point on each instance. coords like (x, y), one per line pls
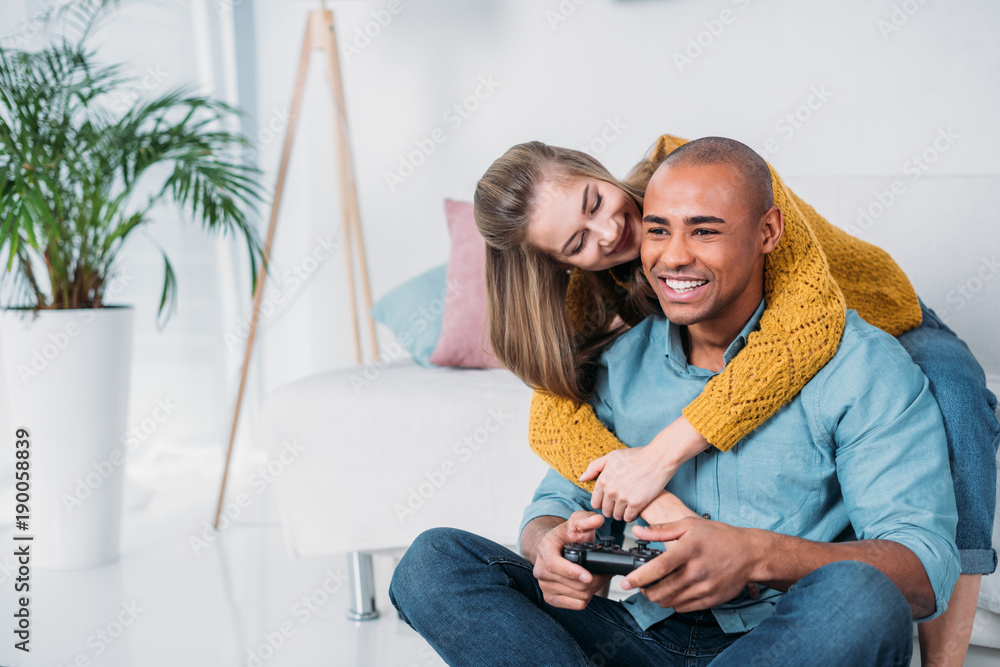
(320, 35)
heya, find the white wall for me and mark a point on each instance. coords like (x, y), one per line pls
(888, 96)
(882, 92)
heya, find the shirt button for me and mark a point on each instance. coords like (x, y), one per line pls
(706, 515)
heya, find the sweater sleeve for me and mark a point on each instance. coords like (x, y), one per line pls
(568, 435)
(799, 333)
(872, 283)
(801, 327)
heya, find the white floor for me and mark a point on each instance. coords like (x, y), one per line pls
(240, 601)
(219, 607)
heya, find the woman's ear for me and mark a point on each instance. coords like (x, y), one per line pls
(772, 227)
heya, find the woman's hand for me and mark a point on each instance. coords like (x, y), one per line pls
(631, 478)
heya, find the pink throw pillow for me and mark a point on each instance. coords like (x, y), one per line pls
(464, 341)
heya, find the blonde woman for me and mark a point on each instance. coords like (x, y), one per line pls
(563, 280)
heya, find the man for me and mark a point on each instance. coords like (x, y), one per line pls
(860, 453)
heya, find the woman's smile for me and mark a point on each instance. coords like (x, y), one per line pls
(624, 239)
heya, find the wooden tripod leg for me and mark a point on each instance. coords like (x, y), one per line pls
(300, 84)
(348, 183)
(323, 37)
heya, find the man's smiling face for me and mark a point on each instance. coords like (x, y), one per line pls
(702, 248)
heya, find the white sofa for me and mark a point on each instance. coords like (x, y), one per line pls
(393, 450)
(390, 451)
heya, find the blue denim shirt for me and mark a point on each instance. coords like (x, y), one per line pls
(859, 453)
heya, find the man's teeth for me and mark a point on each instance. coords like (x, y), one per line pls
(681, 286)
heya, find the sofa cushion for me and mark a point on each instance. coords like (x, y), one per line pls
(463, 340)
(414, 312)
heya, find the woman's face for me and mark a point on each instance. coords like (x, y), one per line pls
(587, 223)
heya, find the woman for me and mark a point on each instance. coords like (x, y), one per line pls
(546, 210)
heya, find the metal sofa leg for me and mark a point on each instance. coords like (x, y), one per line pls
(362, 587)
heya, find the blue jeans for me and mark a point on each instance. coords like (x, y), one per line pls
(968, 408)
(478, 603)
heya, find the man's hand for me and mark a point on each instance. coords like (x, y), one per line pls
(631, 478)
(705, 563)
(665, 508)
(565, 584)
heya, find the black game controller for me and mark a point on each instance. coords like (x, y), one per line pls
(607, 558)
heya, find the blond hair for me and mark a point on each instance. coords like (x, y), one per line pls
(526, 289)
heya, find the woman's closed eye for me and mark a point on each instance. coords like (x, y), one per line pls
(579, 247)
(597, 204)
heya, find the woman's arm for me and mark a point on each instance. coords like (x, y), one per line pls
(800, 331)
(802, 324)
(631, 478)
(872, 283)
(568, 435)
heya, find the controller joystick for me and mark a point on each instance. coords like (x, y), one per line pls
(607, 558)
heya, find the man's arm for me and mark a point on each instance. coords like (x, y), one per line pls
(892, 458)
(533, 534)
(892, 465)
(707, 563)
(782, 560)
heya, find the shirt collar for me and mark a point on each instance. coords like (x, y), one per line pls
(675, 343)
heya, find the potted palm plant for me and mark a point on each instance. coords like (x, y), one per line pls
(72, 163)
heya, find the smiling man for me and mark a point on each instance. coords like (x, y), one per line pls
(840, 507)
(707, 230)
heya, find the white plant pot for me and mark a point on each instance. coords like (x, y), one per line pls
(67, 376)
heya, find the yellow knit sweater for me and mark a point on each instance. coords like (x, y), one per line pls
(815, 269)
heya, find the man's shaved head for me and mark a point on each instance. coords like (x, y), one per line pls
(709, 222)
(720, 150)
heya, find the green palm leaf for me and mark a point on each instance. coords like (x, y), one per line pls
(69, 166)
